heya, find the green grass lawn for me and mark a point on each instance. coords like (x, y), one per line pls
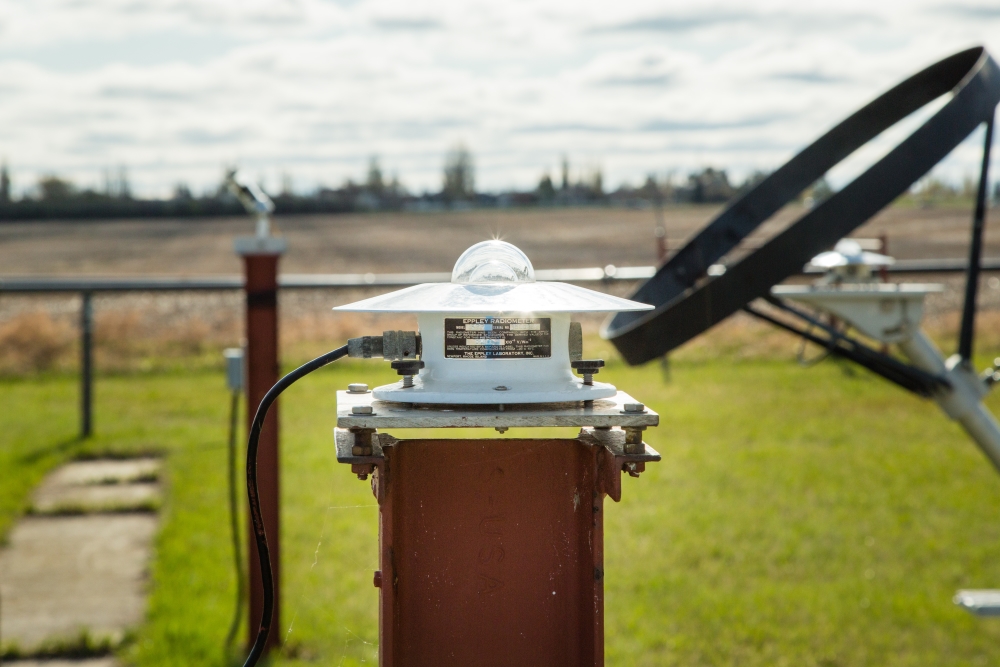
(799, 517)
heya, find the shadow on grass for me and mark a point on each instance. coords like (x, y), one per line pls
(59, 449)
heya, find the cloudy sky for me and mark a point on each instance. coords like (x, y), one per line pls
(176, 89)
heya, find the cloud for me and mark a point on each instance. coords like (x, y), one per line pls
(675, 23)
(709, 126)
(808, 77)
(400, 23)
(178, 88)
(989, 12)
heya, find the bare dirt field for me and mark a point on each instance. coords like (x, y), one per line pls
(393, 242)
(39, 332)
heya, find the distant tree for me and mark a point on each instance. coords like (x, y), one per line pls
(565, 173)
(546, 191)
(396, 187)
(117, 185)
(124, 187)
(710, 185)
(53, 188)
(459, 174)
(597, 182)
(650, 190)
(4, 184)
(182, 191)
(374, 182)
(751, 181)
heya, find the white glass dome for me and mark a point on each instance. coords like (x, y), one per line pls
(491, 262)
(848, 252)
(493, 277)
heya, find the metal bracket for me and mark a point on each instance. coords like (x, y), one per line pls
(614, 459)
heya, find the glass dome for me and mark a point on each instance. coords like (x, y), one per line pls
(491, 262)
(848, 252)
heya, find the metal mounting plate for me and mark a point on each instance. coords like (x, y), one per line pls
(388, 414)
(613, 440)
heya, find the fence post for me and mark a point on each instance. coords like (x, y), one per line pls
(260, 258)
(86, 364)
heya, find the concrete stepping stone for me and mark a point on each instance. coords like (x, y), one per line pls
(107, 471)
(100, 486)
(66, 573)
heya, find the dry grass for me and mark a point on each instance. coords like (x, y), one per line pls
(34, 342)
(148, 332)
(160, 333)
(136, 332)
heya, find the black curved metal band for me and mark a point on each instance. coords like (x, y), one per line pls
(688, 302)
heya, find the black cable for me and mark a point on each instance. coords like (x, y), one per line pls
(908, 377)
(234, 526)
(266, 577)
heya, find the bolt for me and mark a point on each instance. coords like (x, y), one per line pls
(357, 388)
(407, 368)
(634, 408)
(377, 579)
(588, 368)
(500, 388)
(501, 429)
(362, 410)
(633, 439)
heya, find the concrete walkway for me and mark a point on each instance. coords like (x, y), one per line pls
(78, 563)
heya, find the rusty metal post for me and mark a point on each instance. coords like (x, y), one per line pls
(492, 551)
(260, 256)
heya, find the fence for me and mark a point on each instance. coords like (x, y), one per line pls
(87, 287)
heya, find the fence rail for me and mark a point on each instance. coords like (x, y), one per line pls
(88, 286)
(610, 273)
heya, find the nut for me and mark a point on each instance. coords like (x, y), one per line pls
(357, 388)
(634, 408)
(362, 410)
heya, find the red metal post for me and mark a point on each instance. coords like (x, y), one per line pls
(883, 247)
(262, 372)
(491, 552)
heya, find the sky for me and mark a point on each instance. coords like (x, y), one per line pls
(310, 90)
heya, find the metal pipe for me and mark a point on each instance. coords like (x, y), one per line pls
(975, 253)
(86, 364)
(57, 284)
(962, 401)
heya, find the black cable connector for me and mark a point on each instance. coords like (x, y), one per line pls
(257, 521)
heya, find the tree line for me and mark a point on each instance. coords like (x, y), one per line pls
(54, 197)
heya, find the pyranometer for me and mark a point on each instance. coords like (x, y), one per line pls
(493, 335)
